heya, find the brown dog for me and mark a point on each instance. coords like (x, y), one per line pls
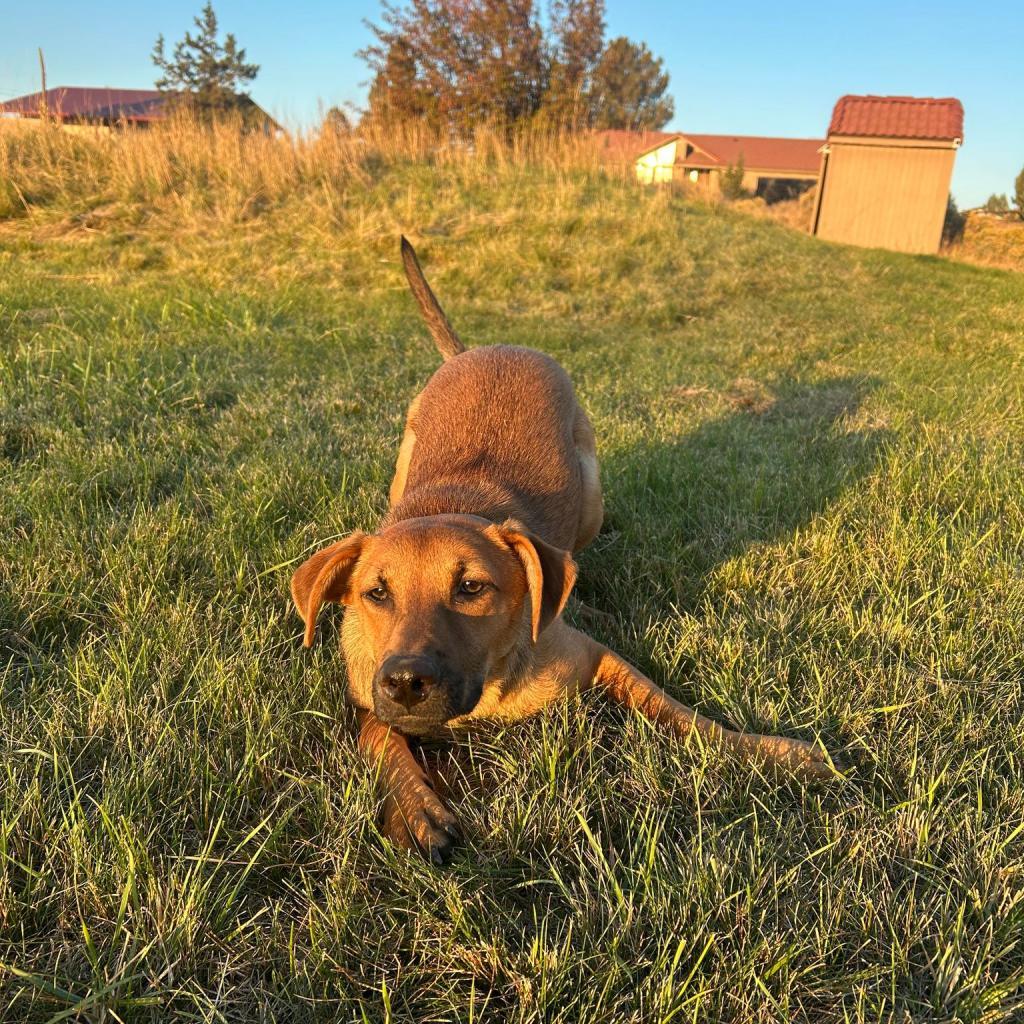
(453, 606)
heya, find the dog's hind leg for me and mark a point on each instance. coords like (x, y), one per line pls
(631, 688)
(404, 454)
(591, 503)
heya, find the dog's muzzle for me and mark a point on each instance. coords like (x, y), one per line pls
(415, 693)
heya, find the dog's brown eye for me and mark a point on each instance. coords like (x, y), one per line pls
(378, 594)
(470, 587)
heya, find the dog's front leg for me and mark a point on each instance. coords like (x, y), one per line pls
(631, 688)
(413, 813)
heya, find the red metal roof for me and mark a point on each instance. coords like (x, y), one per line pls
(898, 117)
(760, 153)
(72, 102)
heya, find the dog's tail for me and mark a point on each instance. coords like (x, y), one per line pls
(445, 338)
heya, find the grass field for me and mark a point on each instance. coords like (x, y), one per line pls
(812, 460)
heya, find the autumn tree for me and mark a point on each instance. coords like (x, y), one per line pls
(457, 64)
(398, 93)
(206, 75)
(575, 44)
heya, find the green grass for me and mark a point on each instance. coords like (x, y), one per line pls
(815, 525)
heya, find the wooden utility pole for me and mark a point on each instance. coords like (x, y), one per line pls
(44, 112)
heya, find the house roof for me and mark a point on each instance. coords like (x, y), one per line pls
(759, 153)
(898, 117)
(615, 145)
(70, 102)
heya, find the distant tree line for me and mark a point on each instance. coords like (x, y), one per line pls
(1000, 204)
(456, 64)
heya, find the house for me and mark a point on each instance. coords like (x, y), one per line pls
(886, 169)
(95, 107)
(109, 108)
(772, 167)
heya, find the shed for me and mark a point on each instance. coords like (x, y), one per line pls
(886, 169)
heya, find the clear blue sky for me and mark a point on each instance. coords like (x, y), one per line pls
(737, 67)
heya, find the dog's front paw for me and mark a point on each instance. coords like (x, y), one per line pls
(417, 819)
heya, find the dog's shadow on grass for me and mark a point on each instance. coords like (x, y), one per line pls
(678, 509)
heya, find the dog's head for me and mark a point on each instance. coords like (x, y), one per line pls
(441, 601)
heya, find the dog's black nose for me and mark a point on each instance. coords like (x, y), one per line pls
(407, 679)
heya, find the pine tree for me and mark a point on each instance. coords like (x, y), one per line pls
(1018, 194)
(630, 88)
(953, 223)
(336, 122)
(206, 76)
(732, 180)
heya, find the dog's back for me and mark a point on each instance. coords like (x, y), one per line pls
(494, 436)
(497, 432)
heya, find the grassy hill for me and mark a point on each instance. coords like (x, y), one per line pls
(815, 525)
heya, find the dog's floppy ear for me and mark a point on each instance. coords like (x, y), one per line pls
(324, 577)
(550, 573)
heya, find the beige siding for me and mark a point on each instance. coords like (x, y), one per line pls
(890, 196)
(656, 166)
(32, 123)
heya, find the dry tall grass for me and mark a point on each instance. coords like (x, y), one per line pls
(793, 213)
(990, 242)
(186, 167)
